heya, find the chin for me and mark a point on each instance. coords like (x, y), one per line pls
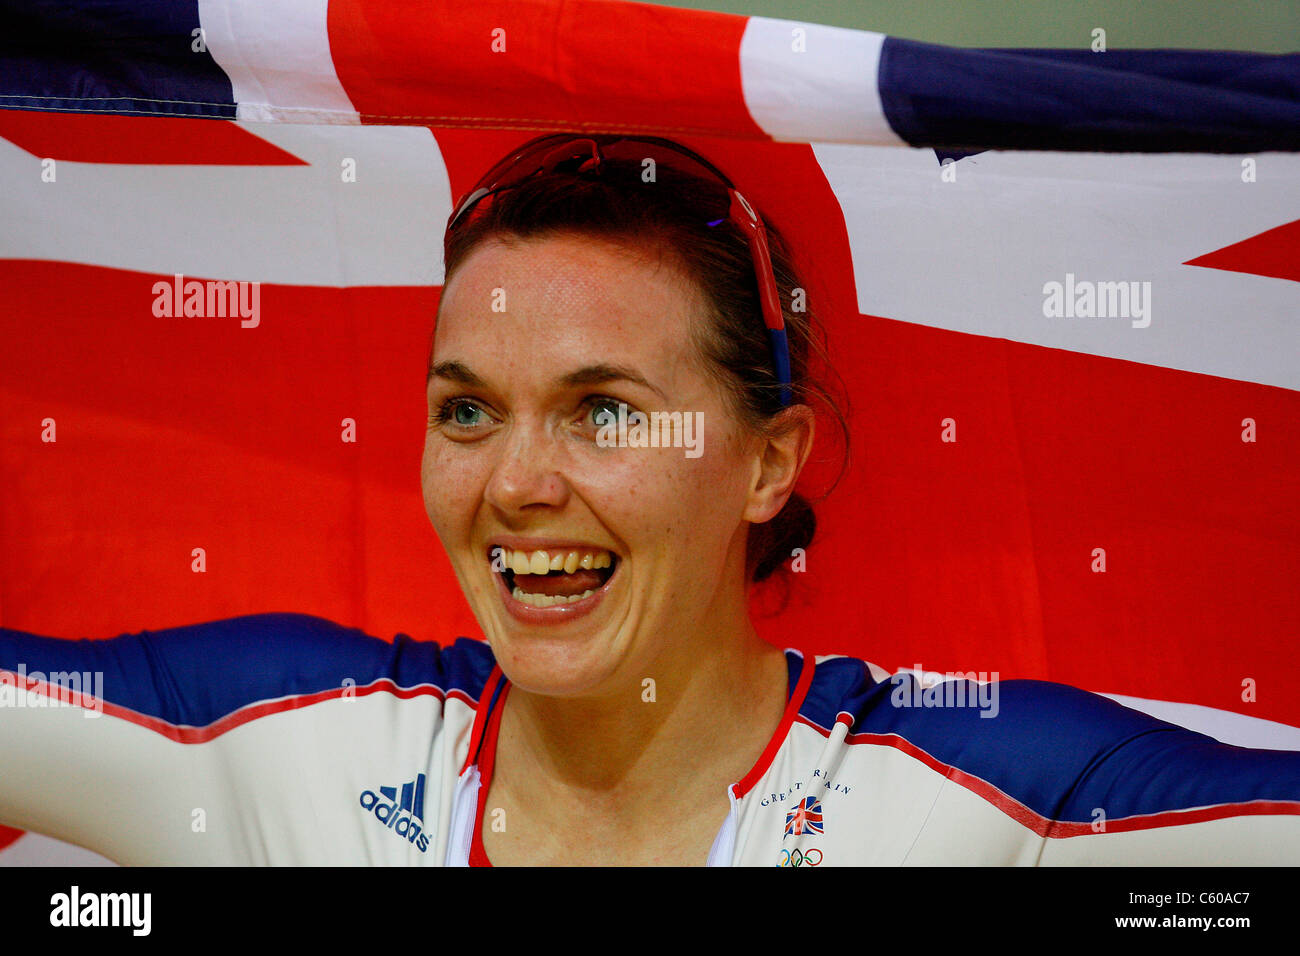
(552, 666)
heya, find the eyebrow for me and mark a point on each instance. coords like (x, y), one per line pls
(456, 372)
(600, 374)
(603, 373)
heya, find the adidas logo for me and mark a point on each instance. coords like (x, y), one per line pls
(400, 815)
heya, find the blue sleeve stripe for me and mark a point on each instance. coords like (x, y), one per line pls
(187, 734)
(1052, 756)
(1118, 101)
(192, 683)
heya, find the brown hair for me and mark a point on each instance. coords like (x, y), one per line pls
(621, 206)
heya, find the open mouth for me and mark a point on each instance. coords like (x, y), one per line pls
(557, 576)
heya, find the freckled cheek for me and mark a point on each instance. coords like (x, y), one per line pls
(711, 491)
(452, 485)
(660, 506)
(618, 492)
(716, 492)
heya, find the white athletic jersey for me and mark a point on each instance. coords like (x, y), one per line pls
(287, 739)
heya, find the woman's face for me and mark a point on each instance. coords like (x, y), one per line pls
(537, 344)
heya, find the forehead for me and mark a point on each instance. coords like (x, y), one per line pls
(551, 304)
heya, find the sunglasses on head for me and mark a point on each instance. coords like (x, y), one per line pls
(583, 155)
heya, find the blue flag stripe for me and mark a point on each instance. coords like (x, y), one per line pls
(131, 57)
(1119, 101)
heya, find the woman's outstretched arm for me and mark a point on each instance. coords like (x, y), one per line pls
(231, 742)
(1070, 777)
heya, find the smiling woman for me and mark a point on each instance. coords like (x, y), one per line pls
(623, 700)
(597, 572)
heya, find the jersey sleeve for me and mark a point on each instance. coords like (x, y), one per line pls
(142, 747)
(1150, 792)
(1086, 780)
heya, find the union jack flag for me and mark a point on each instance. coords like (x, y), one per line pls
(805, 818)
(233, 162)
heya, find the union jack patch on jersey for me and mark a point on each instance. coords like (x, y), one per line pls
(805, 818)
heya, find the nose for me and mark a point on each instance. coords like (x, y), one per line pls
(527, 475)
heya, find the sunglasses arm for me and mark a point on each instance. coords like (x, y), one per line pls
(743, 214)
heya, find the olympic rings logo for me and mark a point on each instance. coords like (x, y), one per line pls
(800, 857)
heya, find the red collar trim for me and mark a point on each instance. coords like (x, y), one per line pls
(791, 711)
(487, 760)
(480, 717)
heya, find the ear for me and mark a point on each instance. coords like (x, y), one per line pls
(781, 456)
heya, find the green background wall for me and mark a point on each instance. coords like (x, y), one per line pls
(1269, 26)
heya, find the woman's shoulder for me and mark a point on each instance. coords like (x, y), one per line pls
(882, 702)
(975, 711)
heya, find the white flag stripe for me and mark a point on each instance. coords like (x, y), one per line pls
(804, 82)
(974, 255)
(295, 225)
(277, 56)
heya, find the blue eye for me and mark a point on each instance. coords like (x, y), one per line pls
(465, 414)
(464, 419)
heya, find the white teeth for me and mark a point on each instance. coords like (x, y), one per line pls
(546, 600)
(540, 562)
